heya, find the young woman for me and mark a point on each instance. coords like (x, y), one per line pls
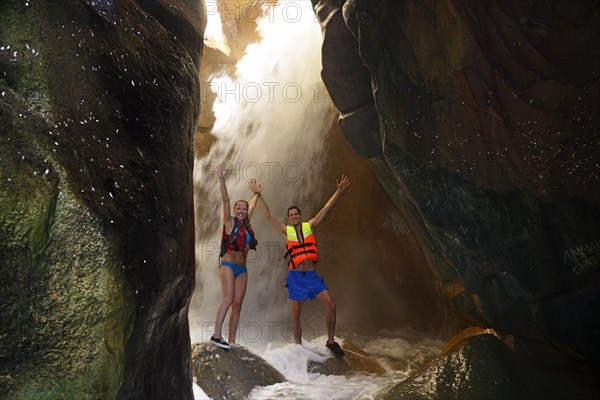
(237, 239)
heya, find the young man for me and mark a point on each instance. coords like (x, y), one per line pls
(302, 280)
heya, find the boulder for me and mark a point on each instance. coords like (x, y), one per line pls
(232, 373)
(483, 367)
(99, 104)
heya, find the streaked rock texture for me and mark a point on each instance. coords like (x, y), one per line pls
(484, 368)
(99, 104)
(485, 136)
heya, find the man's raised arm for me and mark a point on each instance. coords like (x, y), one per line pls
(342, 185)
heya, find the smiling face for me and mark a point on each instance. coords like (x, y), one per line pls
(240, 209)
(294, 215)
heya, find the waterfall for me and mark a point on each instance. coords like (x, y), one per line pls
(272, 118)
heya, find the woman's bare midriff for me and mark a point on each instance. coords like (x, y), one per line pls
(237, 257)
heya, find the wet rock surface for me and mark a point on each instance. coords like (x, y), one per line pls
(231, 374)
(483, 367)
(480, 119)
(355, 360)
(99, 103)
(488, 147)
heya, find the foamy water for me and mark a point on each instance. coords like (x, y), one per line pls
(293, 360)
(332, 387)
(199, 394)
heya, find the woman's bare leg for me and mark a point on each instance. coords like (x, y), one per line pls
(236, 307)
(227, 295)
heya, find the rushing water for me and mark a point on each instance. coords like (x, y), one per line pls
(271, 119)
(397, 356)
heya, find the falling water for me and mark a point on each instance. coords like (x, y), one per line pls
(271, 121)
(272, 118)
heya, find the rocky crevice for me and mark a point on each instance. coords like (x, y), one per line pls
(99, 232)
(474, 137)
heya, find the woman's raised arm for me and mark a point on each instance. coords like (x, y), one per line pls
(227, 218)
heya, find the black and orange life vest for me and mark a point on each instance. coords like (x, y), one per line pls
(303, 248)
(236, 239)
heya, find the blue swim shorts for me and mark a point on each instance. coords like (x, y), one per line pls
(236, 268)
(303, 285)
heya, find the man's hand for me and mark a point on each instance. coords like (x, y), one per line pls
(343, 184)
(254, 186)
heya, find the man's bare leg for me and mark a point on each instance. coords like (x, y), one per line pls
(325, 298)
(296, 327)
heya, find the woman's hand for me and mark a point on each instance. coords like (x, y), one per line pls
(220, 171)
(254, 186)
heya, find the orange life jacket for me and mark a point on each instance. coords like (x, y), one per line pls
(301, 249)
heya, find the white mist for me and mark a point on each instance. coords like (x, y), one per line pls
(271, 121)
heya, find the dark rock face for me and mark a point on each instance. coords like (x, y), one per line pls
(348, 81)
(99, 103)
(231, 374)
(484, 368)
(487, 114)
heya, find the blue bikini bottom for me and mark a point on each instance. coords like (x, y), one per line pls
(236, 268)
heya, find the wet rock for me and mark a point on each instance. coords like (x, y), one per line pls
(231, 374)
(483, 367)
(490, 150)
(60, 295)
(99, 103)
(348, 80)
(356, 360)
